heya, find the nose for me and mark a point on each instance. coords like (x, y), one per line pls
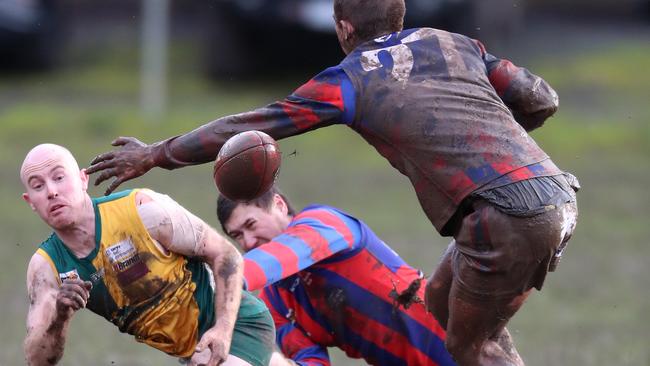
(51, 191)
(249, 241)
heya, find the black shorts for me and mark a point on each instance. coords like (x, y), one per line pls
(497, 253)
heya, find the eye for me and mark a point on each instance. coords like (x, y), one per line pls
(37, 186)
(59, 178)
(250, 224)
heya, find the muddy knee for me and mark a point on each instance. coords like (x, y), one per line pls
(463, 353)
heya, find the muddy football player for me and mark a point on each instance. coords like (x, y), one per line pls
(455, 120)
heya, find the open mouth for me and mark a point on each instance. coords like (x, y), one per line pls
(54, 208)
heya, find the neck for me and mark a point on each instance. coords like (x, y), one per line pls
(80, 237)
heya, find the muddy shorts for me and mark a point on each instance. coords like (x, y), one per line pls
(254, 338)
(512, 237)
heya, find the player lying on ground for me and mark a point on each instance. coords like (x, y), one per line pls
(138, 259)
(329, 281)
(454, 119)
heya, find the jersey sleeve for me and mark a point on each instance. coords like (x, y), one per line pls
(529, 97)
(293, 341)
(313, 235)
(326, 99)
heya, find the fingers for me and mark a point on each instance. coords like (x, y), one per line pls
(74, 293)
(201, 346)
(102, 162)
(121, 141)
(216, 359)
(105, 174)
(113, 185)
(200, 358)
(100, 158)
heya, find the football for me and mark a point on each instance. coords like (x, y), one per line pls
(247, 165)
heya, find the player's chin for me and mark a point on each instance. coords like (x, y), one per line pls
(60, 222)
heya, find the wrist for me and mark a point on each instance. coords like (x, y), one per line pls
(160, 155)
(223, 324)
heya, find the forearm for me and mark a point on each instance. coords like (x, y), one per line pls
(316, 104)
(45, 346)
(202, 144)
(228, 278)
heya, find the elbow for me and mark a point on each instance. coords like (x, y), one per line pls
(37, 356)
(535, 120)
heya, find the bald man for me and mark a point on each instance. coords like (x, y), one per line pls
(141, 261)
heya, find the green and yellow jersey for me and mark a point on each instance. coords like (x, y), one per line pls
(164, 299)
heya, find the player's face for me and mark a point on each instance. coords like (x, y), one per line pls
(55, 188)
(251, 226)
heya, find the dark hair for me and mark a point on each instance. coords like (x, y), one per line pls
(371, 18)
(225, 207)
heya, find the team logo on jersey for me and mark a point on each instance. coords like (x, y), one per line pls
(70, 275)
(383, 39)
(126, 262)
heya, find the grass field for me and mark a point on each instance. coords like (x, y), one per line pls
(593, 311)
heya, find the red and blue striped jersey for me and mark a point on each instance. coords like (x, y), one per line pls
(329, 281)
(435, 104)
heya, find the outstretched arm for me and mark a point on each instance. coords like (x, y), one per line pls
(181, 232)
(529, 97)
(318, 103)
(50, 309)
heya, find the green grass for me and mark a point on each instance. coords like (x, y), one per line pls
(592, 311)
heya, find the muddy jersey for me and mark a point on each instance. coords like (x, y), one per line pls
(329, 281)
(425, 102)
(436, 105)
(162, 298)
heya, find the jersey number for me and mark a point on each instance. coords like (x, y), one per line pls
(401, 54)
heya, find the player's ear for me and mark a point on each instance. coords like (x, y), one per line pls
(347, 29)
(279, 203)
(26, 199)
(84, 179)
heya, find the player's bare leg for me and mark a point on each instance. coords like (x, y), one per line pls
(476, 334)
(436, 295)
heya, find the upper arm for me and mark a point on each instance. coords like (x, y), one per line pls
(42, 286)
(177, 229)
(326, 99)
(330, 91)
(312, 236)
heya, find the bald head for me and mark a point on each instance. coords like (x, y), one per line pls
(43, 155)
(55, 188)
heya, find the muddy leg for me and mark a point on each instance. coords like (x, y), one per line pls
(436, 295)
(475, 332)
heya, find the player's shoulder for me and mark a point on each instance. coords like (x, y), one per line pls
(51, 245)
(315, 208)
(333, 75)
(42, 262)
(113, 196)
(327, 215)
